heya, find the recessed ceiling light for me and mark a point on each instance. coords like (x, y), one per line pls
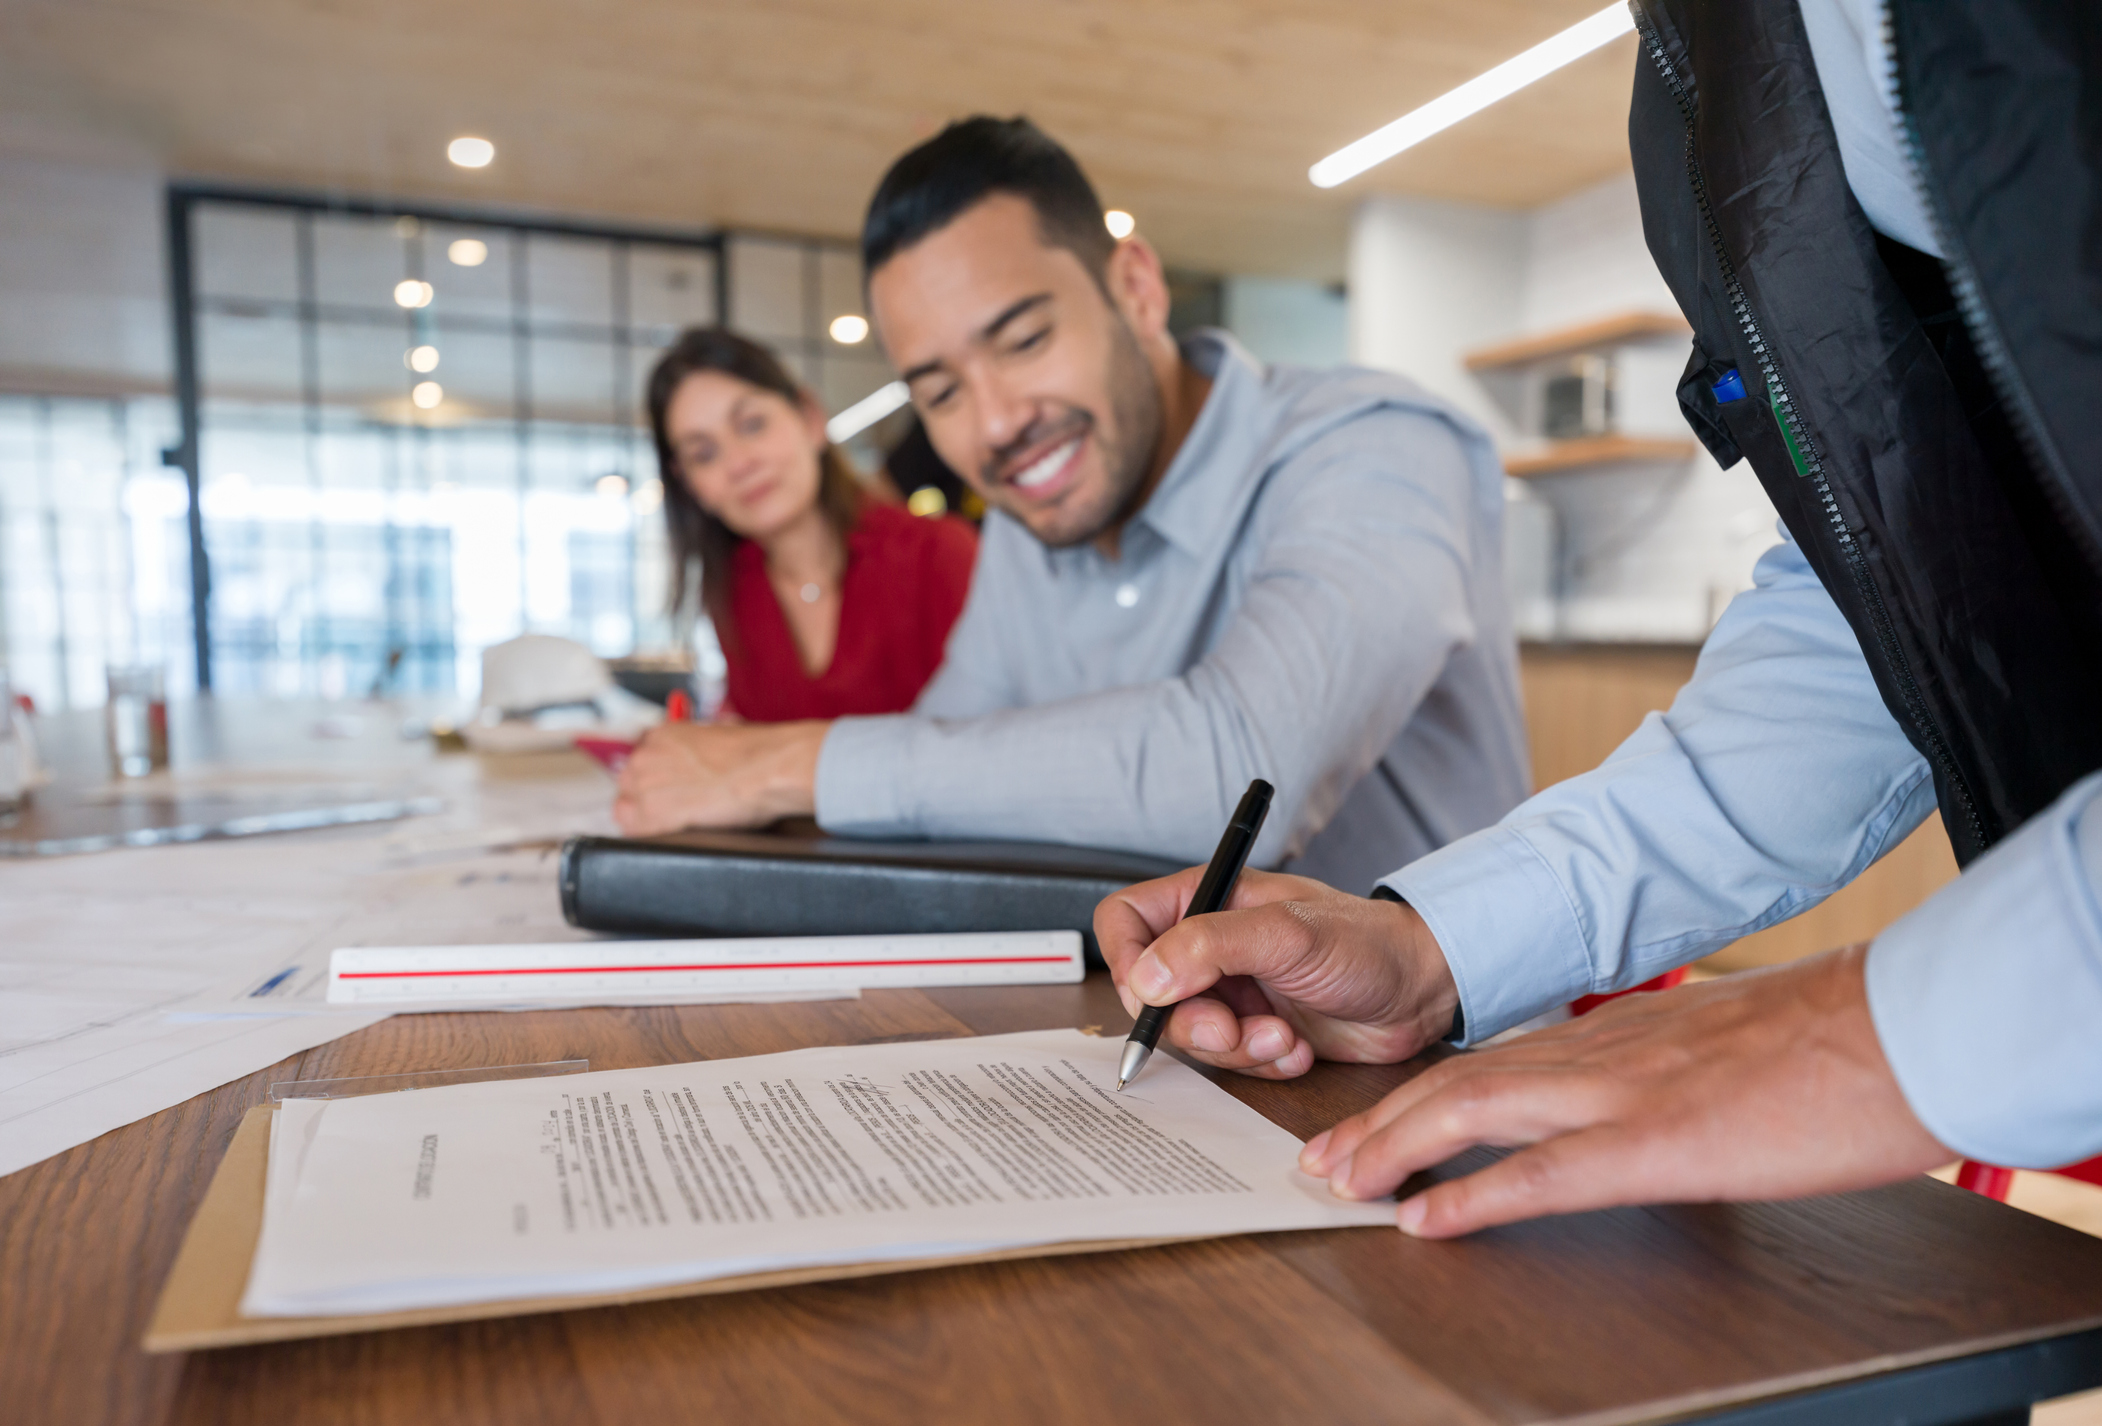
(612, 487)
(849, 329)
(1472, 97)
(470, 152)
(1121, 224)
(468, 252)
(411, 293)
(421, 358)
(427, 394)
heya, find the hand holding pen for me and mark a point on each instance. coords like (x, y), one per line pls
(1211, 895)
(1296, 971)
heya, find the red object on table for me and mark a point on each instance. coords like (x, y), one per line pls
(613, 753)
(679, 707)
(904, 587)
(1994, 1181)
(1585, 1004)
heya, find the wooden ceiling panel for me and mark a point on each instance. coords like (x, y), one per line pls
(1201, 116)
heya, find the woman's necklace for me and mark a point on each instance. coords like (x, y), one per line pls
(810, 591)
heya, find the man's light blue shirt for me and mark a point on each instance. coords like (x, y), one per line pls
(1314, 595)
(1776, 778)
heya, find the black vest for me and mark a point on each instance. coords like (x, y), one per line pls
(1931, 434)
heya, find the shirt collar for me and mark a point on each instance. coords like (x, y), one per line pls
(1201, 488)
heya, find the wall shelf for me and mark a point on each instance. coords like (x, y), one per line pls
(1561, 456)
(1627, 328)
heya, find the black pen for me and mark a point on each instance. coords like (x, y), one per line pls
(1212, 893)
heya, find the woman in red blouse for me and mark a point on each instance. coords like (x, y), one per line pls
(827, 603)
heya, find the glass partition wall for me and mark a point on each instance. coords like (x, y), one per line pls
(414, 433)
(94, 556)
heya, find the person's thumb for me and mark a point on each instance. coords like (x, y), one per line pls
(1266, 942)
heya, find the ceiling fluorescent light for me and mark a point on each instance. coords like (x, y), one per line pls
(1472, 97)
(867, 412)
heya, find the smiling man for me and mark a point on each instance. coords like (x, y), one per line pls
(1195, 571)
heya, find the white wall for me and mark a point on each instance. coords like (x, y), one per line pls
(1585, 258)
(82, 276)
(1640, 552)
(1428, 282)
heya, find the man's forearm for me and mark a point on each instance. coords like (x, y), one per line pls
(1056, 773)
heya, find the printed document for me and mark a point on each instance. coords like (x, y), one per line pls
(629, 1179)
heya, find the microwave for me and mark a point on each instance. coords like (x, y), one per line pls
(1577, 400)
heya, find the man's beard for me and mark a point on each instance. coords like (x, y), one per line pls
(1126, 453)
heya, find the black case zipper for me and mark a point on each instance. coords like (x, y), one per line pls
(1802, 449)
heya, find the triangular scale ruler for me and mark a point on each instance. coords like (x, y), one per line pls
(585, 972)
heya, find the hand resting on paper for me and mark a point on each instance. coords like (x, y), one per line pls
(1770, 1084)
(715, 775)
(1291, 971)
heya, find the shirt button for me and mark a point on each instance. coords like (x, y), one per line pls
(1127, 595)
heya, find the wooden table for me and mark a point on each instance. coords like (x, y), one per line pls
(1918, 1302)
(1816, 1311)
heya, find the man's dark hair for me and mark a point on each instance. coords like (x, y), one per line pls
(971, 160)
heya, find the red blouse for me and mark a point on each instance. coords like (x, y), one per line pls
(905, 584)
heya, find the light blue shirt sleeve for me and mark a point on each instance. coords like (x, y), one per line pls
(1988, 998)
(1776, 778)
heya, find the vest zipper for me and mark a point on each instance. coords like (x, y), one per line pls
(1801, 449)
(1977, 317)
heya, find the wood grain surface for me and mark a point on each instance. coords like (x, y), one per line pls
(1629, 1315)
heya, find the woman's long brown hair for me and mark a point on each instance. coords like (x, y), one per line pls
(696, 535)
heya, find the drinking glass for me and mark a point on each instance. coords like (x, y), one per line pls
(138, 718)
(14, 768)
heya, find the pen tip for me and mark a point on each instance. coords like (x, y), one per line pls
(1120, 1086)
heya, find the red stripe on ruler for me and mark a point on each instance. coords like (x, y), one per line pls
(757, 965)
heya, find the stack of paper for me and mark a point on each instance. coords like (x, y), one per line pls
(633, 1179)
